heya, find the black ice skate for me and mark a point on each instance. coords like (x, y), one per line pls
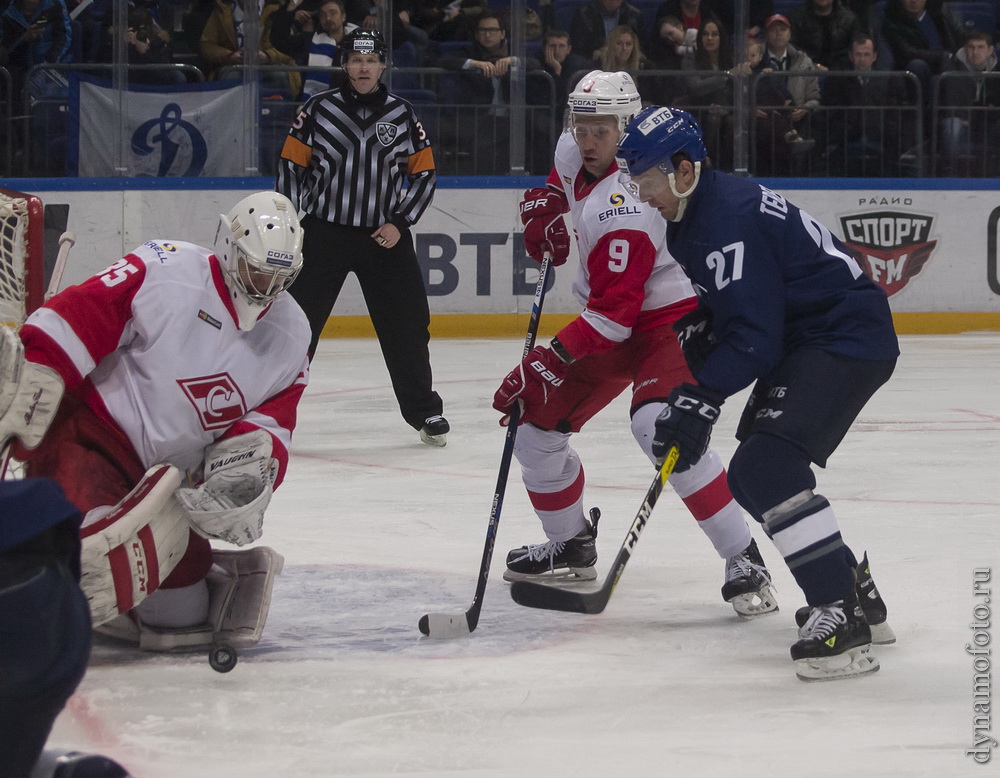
(565, 560)
(834, 643)
(435, 431)
(748, 583)
(871, 603)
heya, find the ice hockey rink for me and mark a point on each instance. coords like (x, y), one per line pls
(378, 529)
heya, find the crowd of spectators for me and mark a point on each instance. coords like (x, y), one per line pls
(802, 63)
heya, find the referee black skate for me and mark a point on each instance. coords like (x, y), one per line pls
(343, 164)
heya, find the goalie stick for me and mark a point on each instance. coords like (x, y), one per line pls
(456, 625)
(536, 595)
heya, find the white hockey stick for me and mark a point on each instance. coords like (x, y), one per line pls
(66, 241)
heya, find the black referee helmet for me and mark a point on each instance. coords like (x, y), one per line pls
(363, 42)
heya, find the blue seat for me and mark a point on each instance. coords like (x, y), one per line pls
(976, 15)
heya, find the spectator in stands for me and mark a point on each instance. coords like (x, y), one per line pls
(667, 52)
(316, 46)
(922, 34)
(147, 44)
(824, 29)
(789, 100)
(671, 44)
(565, 66)
(223, 43)
(594, 21)
(758, 12)
(977, 124)
(621, 51)
(691, 14)
(292, 26)
(710, 97)
(457, 21)
(34, 32)
(484, 81)
(866, 136)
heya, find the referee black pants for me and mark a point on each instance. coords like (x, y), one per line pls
(394, 292)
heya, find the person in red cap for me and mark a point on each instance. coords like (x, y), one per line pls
(796, 96)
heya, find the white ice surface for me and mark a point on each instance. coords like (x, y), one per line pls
(378, 529)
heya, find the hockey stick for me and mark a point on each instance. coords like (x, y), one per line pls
(536, 595)
(449, 625)
(66, 241)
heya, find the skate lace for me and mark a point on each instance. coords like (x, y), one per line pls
(740, 567)
(822, 622)
(540, 551)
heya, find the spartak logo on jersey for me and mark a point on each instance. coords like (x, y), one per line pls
(386, 133)
(216, 398)
(891, 246)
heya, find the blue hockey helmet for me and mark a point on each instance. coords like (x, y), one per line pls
(654, 136)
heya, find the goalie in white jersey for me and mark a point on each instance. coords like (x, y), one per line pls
(177, 359)
(634, 294)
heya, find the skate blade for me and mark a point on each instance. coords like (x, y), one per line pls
(568, 575)
(852, 663)
(434, 440)
(752, 604)
(882, 634)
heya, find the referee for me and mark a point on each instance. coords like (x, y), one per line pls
(343, 165)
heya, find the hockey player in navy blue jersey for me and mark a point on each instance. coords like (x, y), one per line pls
(44, 629)
(784, 304)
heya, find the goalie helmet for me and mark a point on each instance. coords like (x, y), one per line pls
(604, 93)
(362, 41)
(259, 246)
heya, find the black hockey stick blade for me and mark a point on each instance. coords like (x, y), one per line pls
(554, 598)
(456, 625)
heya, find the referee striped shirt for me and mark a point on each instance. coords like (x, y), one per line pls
(345, 160)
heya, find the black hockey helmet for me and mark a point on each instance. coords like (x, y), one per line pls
(363, 41)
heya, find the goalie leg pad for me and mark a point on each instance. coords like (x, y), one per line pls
(29, 393)
(239, 587)
(128, 552)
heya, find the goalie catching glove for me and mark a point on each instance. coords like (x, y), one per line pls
(544, 225)
(239, 476)
(29, 393)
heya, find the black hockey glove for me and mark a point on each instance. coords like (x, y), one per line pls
(694, 333)
(687, 421)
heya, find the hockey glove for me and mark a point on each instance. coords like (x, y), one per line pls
(687, 421)
(531, 383)
(544, 226)
(694, 333)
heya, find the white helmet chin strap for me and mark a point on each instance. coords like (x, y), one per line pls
(683, 198)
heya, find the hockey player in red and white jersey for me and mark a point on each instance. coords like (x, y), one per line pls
(633, 294)
(162, 396)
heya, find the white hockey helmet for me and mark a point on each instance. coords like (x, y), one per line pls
(605, 93)
(259, 245)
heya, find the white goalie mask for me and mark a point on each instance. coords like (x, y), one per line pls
(259, 246)
(605, 93)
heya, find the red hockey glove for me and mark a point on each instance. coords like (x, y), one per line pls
(544, 226)
(531, 383)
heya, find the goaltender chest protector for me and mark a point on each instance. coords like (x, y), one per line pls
(184, 373)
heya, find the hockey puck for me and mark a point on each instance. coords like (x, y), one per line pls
(222, 657)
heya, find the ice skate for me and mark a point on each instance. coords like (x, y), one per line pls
(834, 643)
(871, 603)
(564, 560)
(748, 583)
(435, 431)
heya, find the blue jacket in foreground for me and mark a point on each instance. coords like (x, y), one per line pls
(29, 507)
(776, 280)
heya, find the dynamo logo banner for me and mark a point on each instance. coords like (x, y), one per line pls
(190, 130)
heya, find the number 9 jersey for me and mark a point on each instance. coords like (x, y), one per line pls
(627, 277)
